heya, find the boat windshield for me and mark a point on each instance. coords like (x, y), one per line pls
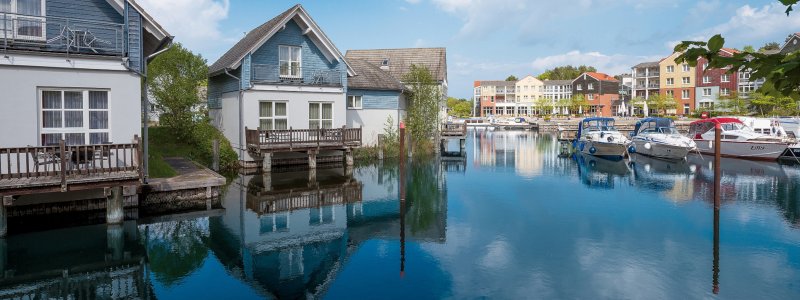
(668, 130)
(602, 125)
(732, 126)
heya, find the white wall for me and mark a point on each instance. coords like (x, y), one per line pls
(20, 117)
(373, 122)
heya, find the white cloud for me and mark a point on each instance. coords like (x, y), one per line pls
(611, 64)
(413, 1)
(750, 25)
(194, 23)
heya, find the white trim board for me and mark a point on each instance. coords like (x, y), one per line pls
(21, 60)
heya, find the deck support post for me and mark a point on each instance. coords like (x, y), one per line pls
(115, 206)
(3, 221)
(266, 180)
(348, 171)
(312, 160)
(463, 144)
(115, 241)
(266, 162)
(312, 178)
(348, 157)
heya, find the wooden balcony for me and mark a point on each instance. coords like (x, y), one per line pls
(290, 140)
(62, 168)
(269, 202)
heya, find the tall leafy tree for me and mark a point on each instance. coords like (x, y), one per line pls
(662, 103)
(733, 104)
(511, 78)
(459, 107)
(770, 46)
(422, 117)
(565, 72)
(175, 80)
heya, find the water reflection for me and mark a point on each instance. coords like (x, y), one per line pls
(510, 219)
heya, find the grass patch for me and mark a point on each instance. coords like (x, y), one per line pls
(164, 143)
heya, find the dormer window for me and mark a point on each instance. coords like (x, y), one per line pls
(385, 62)
(290, 61)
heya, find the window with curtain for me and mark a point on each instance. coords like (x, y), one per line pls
(354, 102)
(320, 115)
(25, 21)
(272, 115)
(289, 57)
(78, 117)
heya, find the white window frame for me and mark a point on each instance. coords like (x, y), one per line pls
(706, 79)
(590, 96)
(351, 102)
(686, 80)
(670, 81)
(725, 78)
(670, 69)
(321, 119)
(274, 117)
(685, 67)
(590, 86)
(686, 108)
(294, 72)
(685, 94)
(725, 92)
(706, 92)
(85, 129)
(579, 87)
(17, 18)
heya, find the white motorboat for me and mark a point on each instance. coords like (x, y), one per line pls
(737, 140)
(658, 137)
(598, 137)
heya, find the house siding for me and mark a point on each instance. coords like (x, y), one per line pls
(372, 99)
(220, 84)
(133, 21)
(312, 58)
(98, 11)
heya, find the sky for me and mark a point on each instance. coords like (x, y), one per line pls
(491, 39)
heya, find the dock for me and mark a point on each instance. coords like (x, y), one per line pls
(457, 131)
(262, 144)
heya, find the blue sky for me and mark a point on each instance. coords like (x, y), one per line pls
(490, 39)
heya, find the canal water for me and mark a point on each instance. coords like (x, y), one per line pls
(507, 219)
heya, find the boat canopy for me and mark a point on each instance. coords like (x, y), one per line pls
(652, 124)
(699, 127)
(595, 124)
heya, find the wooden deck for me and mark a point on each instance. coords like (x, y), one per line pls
(269, 202)
(32, 170)
(291, 140)
(455, 130)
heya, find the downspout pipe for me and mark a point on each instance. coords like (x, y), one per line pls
(241, 113)
(165, 45)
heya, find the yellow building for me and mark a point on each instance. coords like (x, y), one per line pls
(678, 81)
(529, 89)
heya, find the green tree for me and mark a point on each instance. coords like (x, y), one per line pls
(544, 106)
(511, 78)
(579, 104)
(422, 118)
(770, 46)
(780, 70)
(175, 79)
(733, 104)
(565, 72)
(770, 105)
(639, 102)
(749, 48)
(459, 107)
(662, 103)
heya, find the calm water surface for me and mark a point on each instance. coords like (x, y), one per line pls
(510, 219)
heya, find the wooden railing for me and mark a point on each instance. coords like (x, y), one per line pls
(455, 129)
(62, 165)
(299, 139)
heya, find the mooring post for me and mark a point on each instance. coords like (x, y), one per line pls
(266, 180)
(380, 147)
(348, 157)
(312, 159)
(115, 240)
(312, 178)
(266, 162)
(402, 183)
(717, 200)
(114, 205)
(215, 158)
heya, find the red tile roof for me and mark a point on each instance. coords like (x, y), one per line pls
(602, 76)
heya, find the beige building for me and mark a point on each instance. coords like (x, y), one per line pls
(529, 89)
(678, 81)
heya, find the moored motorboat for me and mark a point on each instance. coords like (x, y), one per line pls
(658, 137)
(598, 137)
(737, 140)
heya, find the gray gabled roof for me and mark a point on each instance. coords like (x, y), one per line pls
(400, 60)
(497, 83)
(244, 45)
(557, 82)
(256, 37)
(649, 64)
(371, 77)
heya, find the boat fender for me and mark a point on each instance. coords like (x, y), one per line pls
(647, 146)
(631, 149)
(711, 144)
(592, 150)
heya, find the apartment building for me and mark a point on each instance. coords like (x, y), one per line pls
(679, 82)
(528, 89)
(497, 97)
(555, 90)
(646, 79)
(600, 90)
(714, 83)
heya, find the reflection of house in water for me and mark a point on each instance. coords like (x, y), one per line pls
(104, 262)
(290, 236)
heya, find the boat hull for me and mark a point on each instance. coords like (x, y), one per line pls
(611, 151)
(661, 150)
(744, 150)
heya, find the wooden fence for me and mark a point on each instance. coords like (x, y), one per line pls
(60, 166)
(455, 129)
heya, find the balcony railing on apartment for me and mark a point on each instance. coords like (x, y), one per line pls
(648, 86)
(25, 170)
(296, 75)
(63, 35)
(642, 75)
